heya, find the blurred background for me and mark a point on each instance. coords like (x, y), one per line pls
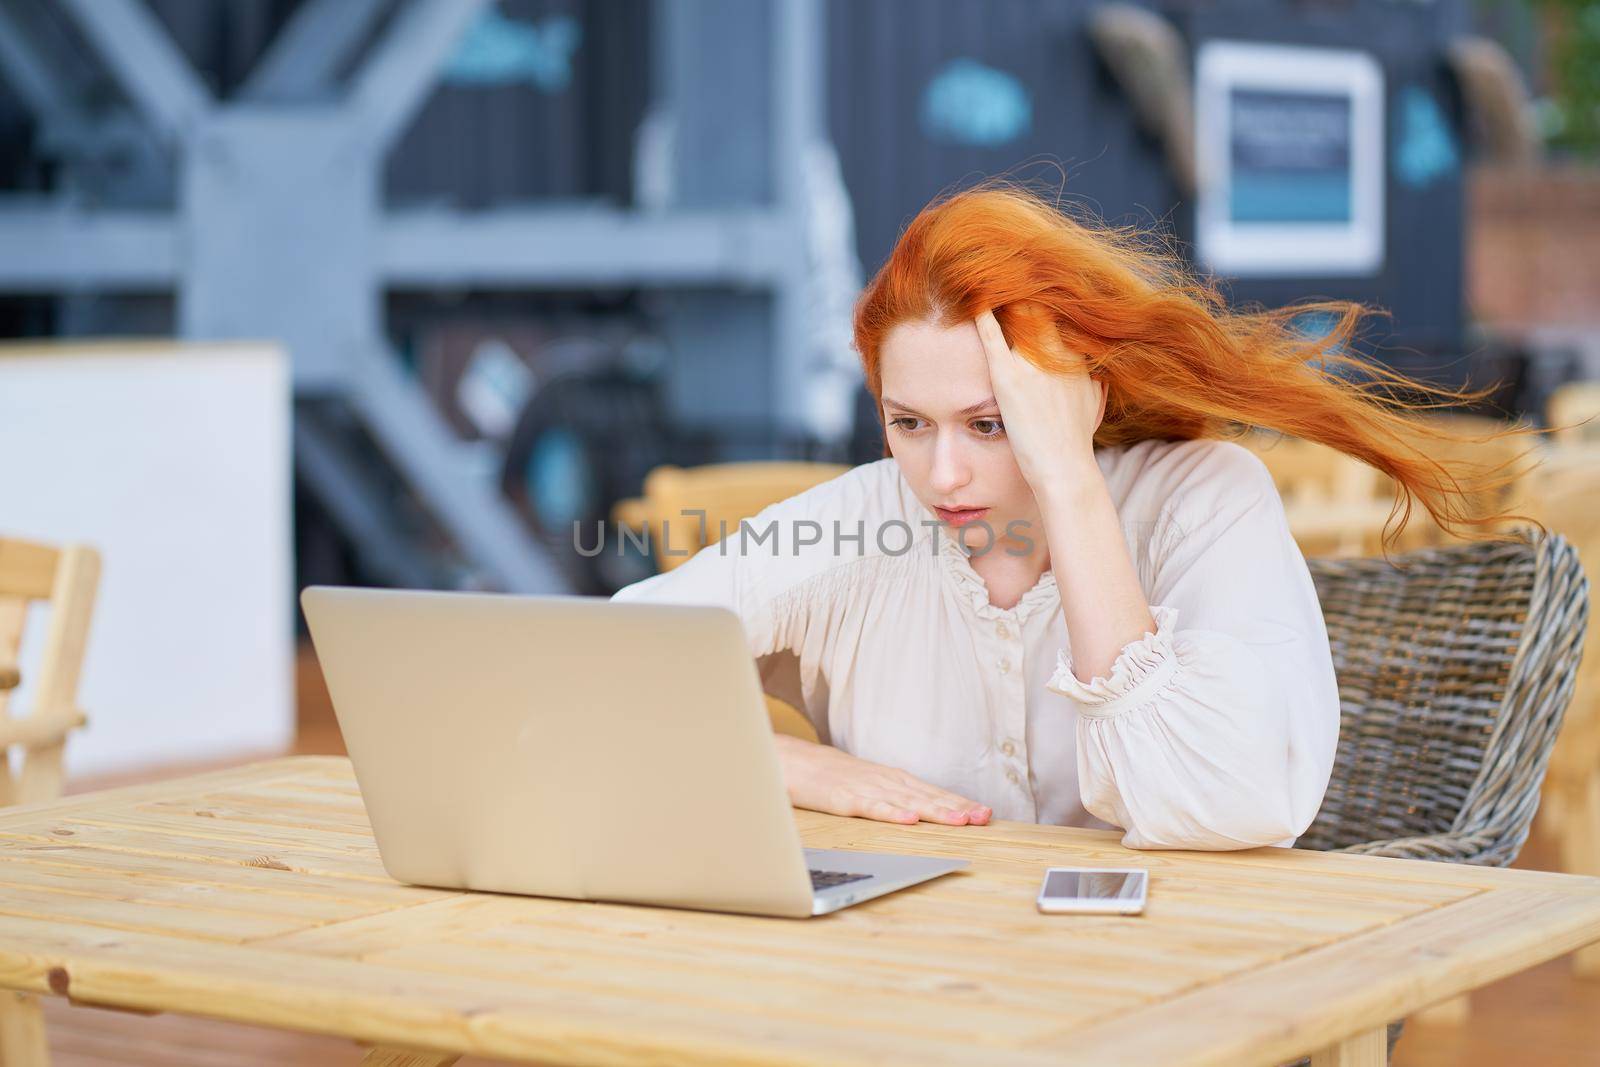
(396, 292)
(418, 292)
(517, 254)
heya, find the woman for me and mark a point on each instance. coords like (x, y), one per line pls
(1061, 597)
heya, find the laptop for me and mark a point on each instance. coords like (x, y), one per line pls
(576, 747)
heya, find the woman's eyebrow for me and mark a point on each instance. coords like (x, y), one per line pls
(972, 410)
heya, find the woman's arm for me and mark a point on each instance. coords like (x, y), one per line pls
(817, 776)
(1050, 420)
(1210, 719)
(1218, 730)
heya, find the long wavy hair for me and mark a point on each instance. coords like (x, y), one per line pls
(1177, 361)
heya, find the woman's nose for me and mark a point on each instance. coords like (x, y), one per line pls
(950, 470)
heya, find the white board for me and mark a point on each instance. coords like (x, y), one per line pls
(1289, 152)
(174, 461)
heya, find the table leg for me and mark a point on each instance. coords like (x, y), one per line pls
(22, 1037)
(394, 1057)
(1453, 1012)
(1367, 1049)
(1580, 854)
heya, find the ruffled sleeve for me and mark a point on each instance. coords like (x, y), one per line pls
(1217, 730)
(1142, 669)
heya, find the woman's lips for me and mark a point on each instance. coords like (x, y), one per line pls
(961, 518)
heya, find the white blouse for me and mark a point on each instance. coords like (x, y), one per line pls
(1215, 732)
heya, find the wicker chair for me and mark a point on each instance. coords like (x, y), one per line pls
(1455, 666)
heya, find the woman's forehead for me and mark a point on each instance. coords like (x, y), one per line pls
(934, 368)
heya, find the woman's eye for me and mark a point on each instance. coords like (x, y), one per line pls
(988, 427)
(904, 423)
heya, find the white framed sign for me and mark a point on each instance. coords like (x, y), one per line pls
(1290, 160)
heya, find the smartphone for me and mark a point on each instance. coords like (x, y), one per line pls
(1093, 890)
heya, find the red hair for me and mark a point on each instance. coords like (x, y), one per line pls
(1178, 363)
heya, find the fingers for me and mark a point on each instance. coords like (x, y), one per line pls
(824, 779)
(993, 338)
(934, 804)
(908, 809)
(898, 804)
(1035, 325)
(885, 811)
(989, 332)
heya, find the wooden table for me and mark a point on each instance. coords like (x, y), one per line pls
(1343, 528)
(256, 895)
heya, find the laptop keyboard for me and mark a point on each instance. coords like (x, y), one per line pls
(829, 879)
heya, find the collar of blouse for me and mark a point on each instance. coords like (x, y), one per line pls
(969, 584)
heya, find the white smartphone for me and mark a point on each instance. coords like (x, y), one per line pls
(1093, 890)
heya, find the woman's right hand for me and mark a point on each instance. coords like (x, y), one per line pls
(822, 778)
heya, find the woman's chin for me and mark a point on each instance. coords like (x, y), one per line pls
(979, 537)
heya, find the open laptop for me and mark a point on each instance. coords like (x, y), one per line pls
(576, 747)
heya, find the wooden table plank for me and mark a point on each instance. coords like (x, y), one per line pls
(305, 771)
(243, 851)
(1275, 1013)
(1035, 844)
(260, 882)
(138, 887)
(380, 1005)
(1250, 957)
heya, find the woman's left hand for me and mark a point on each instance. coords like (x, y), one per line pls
(1050, 418)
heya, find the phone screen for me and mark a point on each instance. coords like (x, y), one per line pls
(1095, 885)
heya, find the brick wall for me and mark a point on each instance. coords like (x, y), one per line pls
(1533, 248)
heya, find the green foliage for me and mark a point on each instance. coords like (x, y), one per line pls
(1571, 116)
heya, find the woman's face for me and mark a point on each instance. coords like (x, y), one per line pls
(944, 431)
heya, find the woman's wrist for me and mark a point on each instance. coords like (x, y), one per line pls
(1073, 482)
(790, 741)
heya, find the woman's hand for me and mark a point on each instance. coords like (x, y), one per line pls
(1050, 418)
(822, 778)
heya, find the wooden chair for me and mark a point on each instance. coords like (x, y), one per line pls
(1573, 412)
(1481, 454)
(1333, 501)
(1565, 497)
(1455, 668)
(727, 493)
(1338, 506)
(66, 579)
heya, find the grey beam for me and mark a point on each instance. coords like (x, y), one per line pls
(414, 435)
(571, 246)
(145, 63)
(797, 86)
(798, 79)
(403, 68)
(350, 502)
(37, 77)
(304, 58)
(52, 248)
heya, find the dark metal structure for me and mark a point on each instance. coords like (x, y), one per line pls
(339, 174)
(277, 198)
